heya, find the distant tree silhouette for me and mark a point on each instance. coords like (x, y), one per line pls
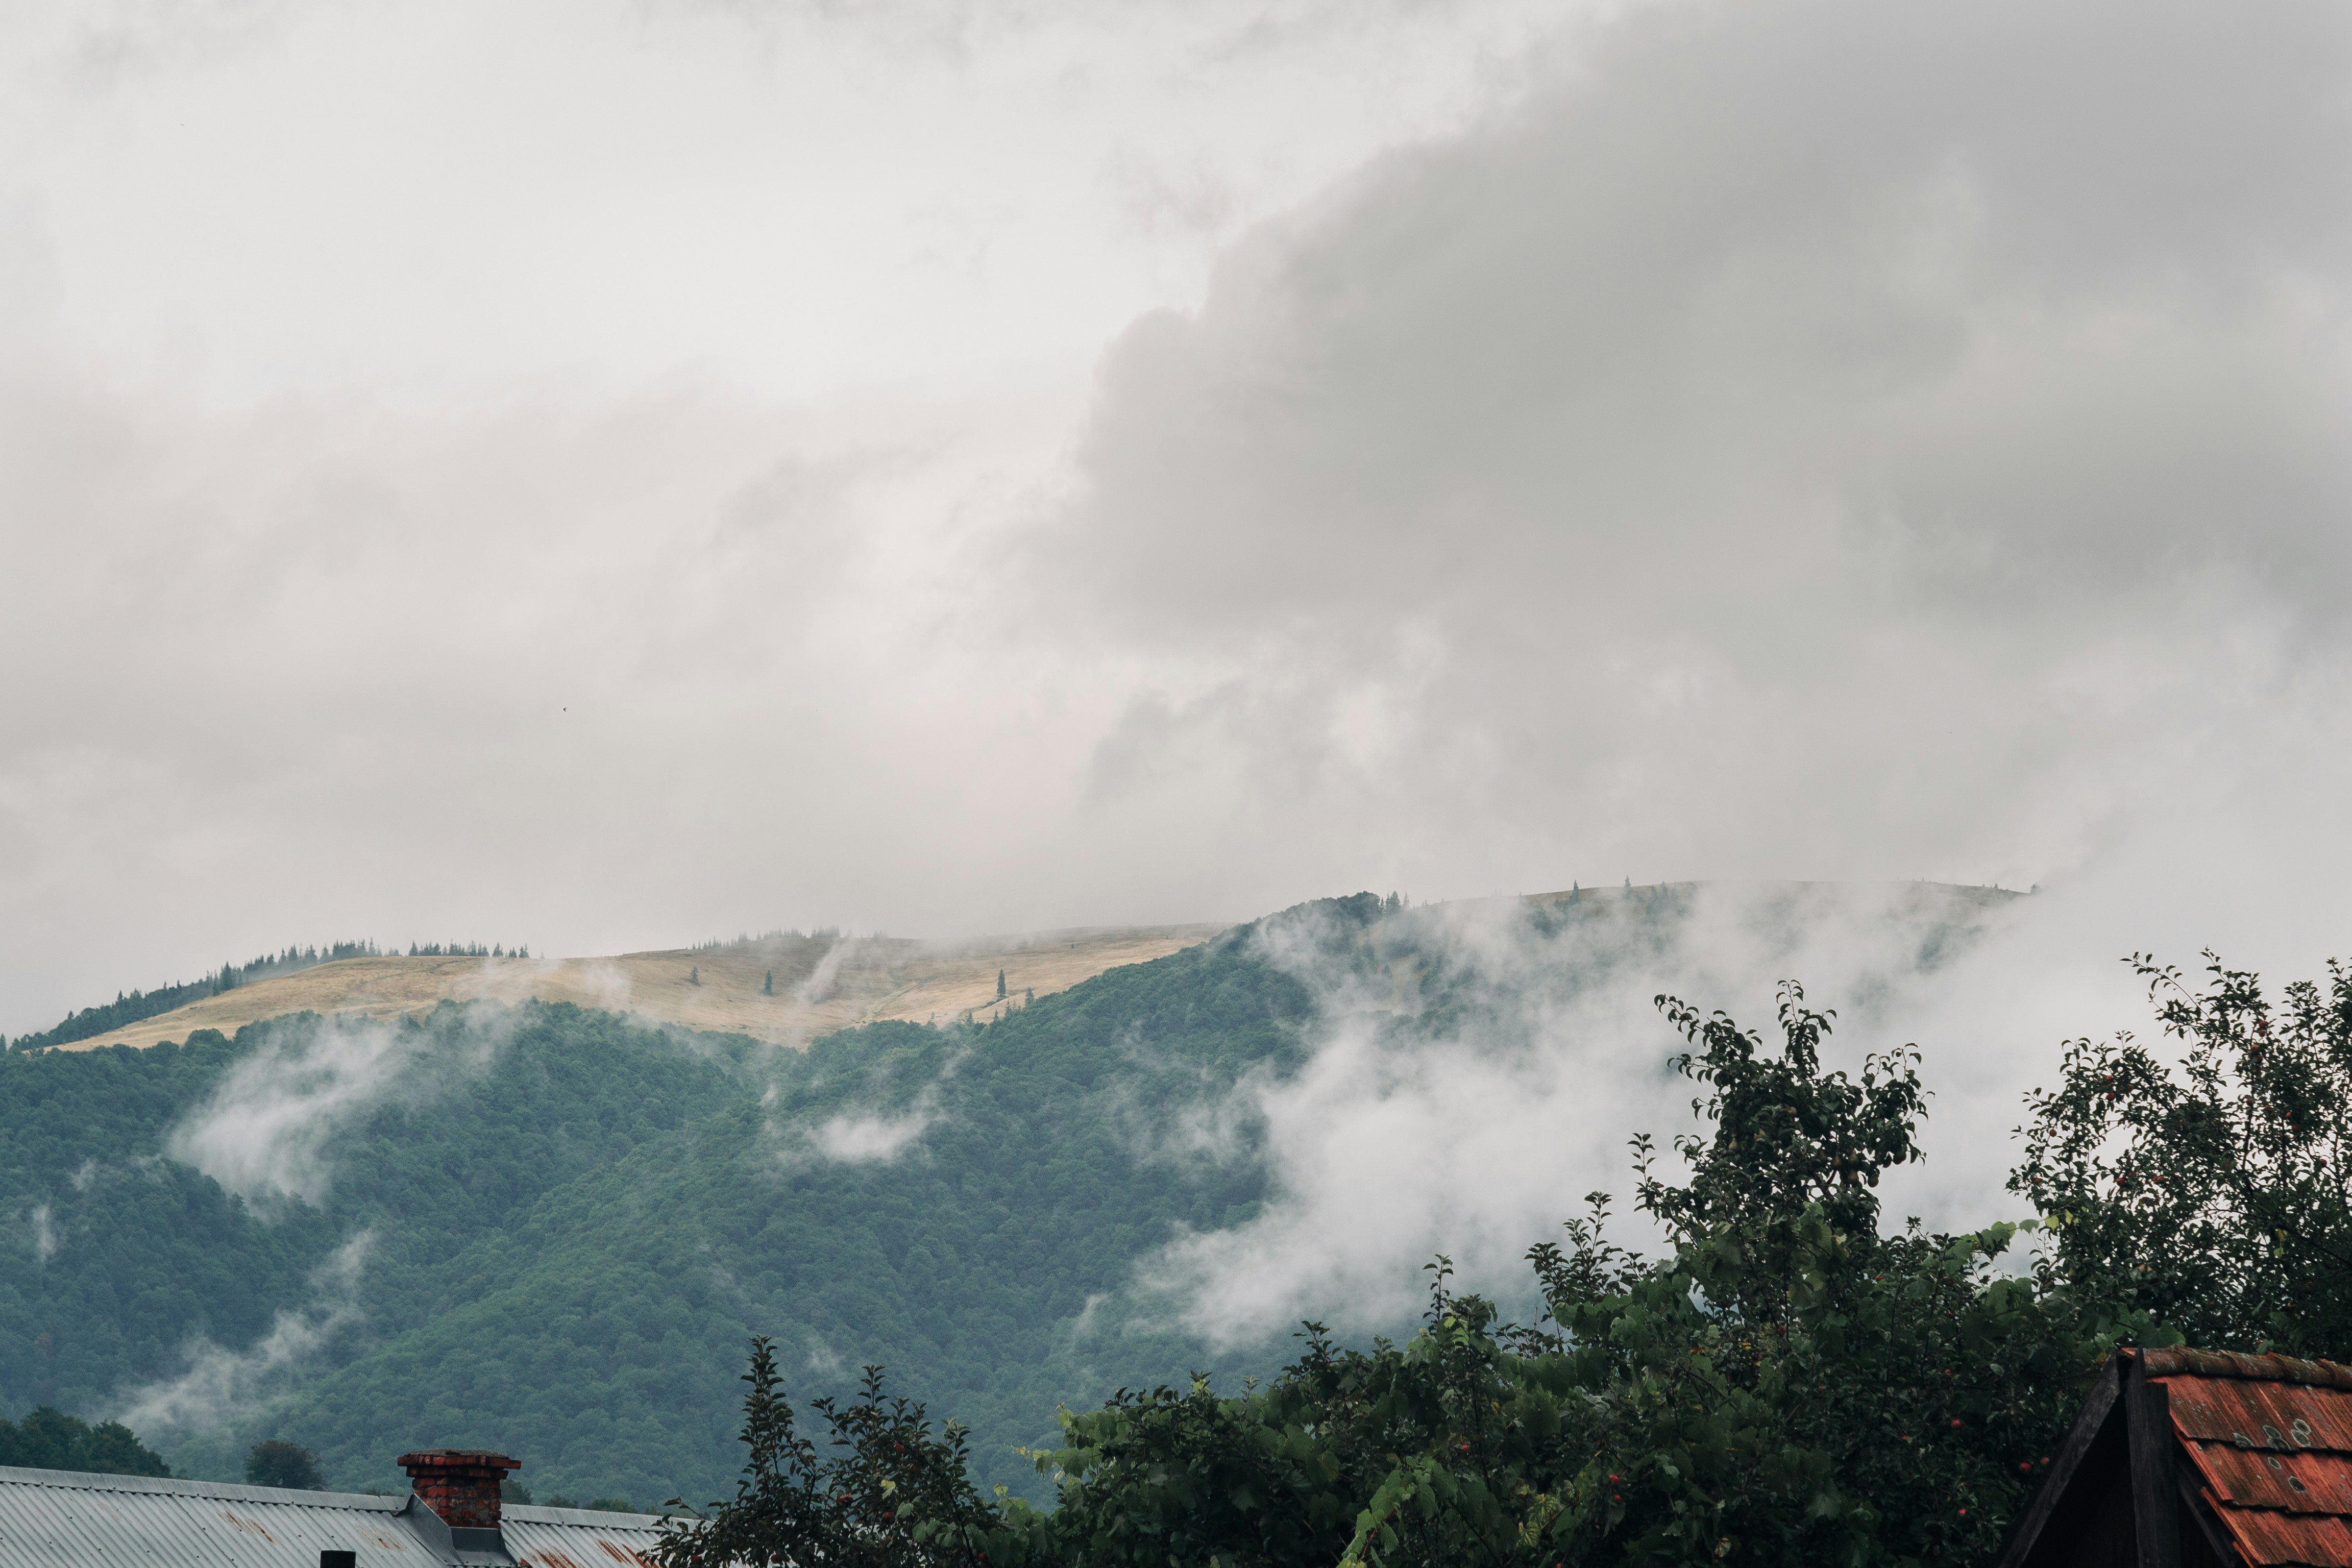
(277, 1463)
(768, 986)
(694, 975)
(127, 1009)
(999, 985)
(49, 1439)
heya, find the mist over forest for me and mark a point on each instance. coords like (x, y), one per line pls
(1806, 544)
(554, 1230)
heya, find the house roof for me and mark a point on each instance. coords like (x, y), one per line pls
(63, 1518)
(2269, 1445)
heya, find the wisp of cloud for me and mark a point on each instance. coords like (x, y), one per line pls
(220, 1384)
(268, 1128)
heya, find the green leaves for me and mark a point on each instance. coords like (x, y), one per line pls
(47, 1438)
(2215, 1191)
(1852, 1422)
(1787, 1137)
(885, 1493)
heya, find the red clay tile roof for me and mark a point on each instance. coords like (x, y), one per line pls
(2271, 1441)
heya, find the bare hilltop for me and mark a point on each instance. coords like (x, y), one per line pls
(787, 989)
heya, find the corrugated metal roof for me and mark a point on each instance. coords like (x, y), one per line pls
(577, 1538)
(2271, 1441)
(62, 1519)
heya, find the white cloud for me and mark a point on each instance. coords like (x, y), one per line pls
(697, 342)
(44, 1234)
(268, 1129)
(1478, 1137)
(819, 983)
(783, 196)
(221, 1384)
(1813, 442)
(860, 1138)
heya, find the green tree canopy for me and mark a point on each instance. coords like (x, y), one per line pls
(2215, 1191)
(884, 1490)
(1785, 1386)
(274, 1462)
(49, 1439)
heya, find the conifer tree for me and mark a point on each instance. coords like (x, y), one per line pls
(1000, 984)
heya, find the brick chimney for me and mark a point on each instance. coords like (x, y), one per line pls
(461, 1485)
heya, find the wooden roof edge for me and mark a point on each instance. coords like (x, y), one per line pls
(2096, 1409)
(2199, 1504)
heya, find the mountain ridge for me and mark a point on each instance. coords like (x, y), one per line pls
(786, 990)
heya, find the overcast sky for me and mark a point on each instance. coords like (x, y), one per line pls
(608, 474)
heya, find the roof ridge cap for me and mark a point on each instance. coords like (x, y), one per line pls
(2176, 1360)
(540, 1514)
(182, 1486)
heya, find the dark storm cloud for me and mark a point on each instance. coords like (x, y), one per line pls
(1831, 438)
(2062, 285)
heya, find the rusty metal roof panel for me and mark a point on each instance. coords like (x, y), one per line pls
(2296, 1483)
(2282, 1416)
(60, 1519)
(580, 1538)
(2275, 1540)
(2270, 1439)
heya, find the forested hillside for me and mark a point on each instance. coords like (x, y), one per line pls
(552, 1231)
